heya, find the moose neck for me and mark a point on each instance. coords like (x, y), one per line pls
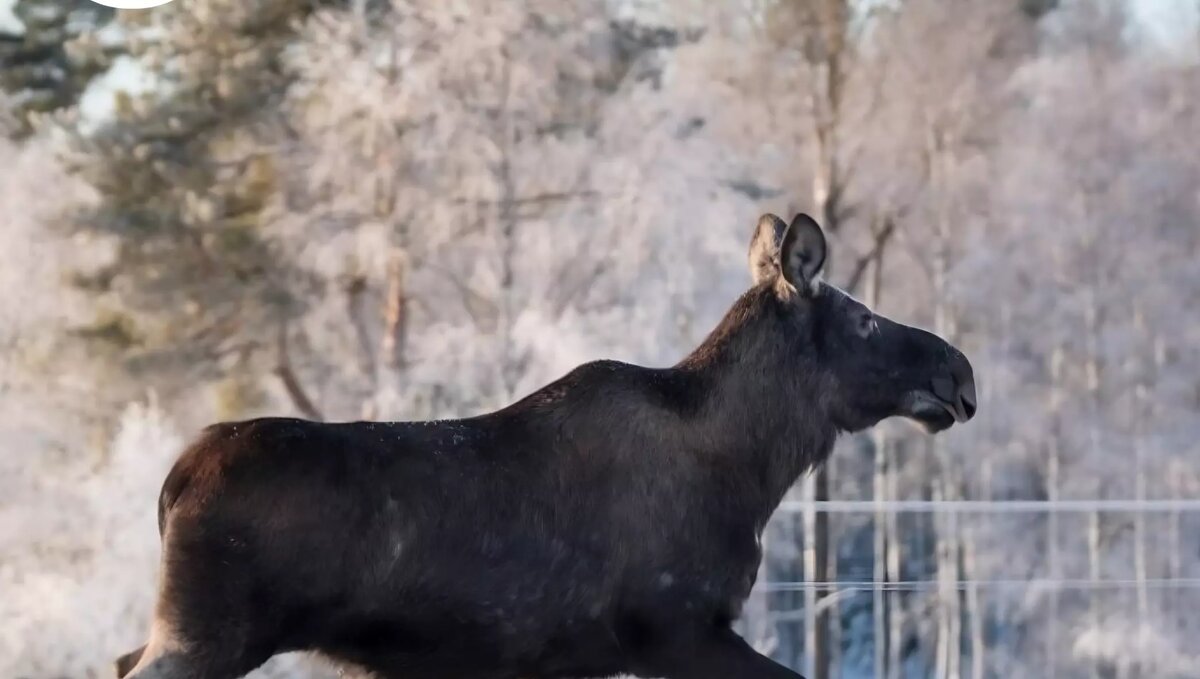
(761, 417)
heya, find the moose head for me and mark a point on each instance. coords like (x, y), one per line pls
(870, 367)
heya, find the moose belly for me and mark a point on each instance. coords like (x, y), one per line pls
(479, 607)
(434, 634)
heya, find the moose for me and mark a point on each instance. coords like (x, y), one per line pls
(607, 523)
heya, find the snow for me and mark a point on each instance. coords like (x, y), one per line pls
(127, 75)
(10, 24)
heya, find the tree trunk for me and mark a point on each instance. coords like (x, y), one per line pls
(1092, 377)
(833, 21)
(948, 550)
(816, 549)
(1139, 520)
(1144, 410)
(879, 442)
(949, 596)
(944, 589)
(1053, 483)
(506, 227)
(394, 317)
(1094, 574)
(832, 606)
(975, 612)
(393, 339)
(1174, 550)
(879, 605)
(895, 611)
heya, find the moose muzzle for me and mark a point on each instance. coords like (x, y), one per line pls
(957, 389)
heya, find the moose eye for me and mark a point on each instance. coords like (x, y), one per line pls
(867, 326)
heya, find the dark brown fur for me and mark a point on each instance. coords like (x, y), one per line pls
(606, 523)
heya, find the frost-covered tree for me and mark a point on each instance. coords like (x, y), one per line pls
(195, 285)
(49, 53)
(486, 157)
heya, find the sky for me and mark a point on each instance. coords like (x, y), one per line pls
(9, 23)
(1169, 22)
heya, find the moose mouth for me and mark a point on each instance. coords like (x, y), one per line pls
(934, 414)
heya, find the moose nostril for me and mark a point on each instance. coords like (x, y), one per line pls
(966, 394)
(968, 406)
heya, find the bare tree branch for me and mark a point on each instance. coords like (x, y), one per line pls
(482, 309)
(291, 384)
(356, 288)
(881, 237)
(394, 316)
(540, 198)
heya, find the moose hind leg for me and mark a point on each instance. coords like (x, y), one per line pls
(168, 665)
(183, 665)
(206, 622)
(166, 659)
(191, 642)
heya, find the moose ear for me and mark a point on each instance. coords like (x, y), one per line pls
(802, 254)
(764, 247)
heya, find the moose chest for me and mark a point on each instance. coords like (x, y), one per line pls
(699, 566)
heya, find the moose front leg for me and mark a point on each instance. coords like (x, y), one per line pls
(721, 654)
